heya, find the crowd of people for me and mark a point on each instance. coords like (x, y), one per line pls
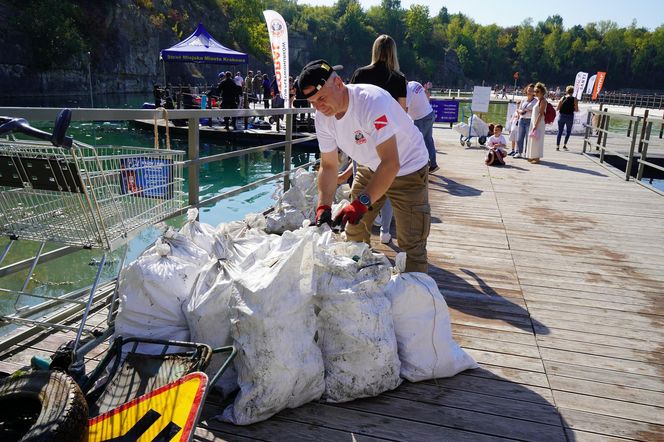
(527, 126)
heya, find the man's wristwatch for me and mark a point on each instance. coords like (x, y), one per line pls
(364, 199)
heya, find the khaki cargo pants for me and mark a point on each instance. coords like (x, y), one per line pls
(409, 195)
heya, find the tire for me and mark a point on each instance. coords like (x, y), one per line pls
(42, 406)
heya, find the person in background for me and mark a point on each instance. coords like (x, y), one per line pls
(384, 73)
(525, 110)
(366, 123)
(257, 86)
(248, 88)
(420, 110)
(266, 91)
(566, 108)
(514, 130)
(535, 149)
(228, 91)
(496, 145)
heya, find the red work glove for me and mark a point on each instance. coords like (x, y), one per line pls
(324, 215)
(352, 213)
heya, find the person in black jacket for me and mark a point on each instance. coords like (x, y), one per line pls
(566, 108)
(228, 91)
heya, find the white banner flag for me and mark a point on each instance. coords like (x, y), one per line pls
(591, 84)
(276, 26)
(580, 84)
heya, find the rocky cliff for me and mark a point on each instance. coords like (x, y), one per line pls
(121, 40)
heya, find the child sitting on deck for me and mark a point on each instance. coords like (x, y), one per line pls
(496, 144)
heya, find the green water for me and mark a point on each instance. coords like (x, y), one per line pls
(74, 271)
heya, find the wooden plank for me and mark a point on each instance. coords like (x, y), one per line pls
(389, 425)
(586, 360)
(609, 407)
(510, 348)
(493, 424)
(277, 429)
(604, 375)
(643, 345)
(611, 426)
(506, 360)
(608, 391)
(534, 410)
(547, 341)
(497, 335)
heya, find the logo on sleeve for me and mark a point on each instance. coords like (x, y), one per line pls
(380, 122)
(359, 137)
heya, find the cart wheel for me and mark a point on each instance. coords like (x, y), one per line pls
(468, 143)
(41, 406)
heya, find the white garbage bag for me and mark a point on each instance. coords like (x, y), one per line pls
(208, 316)
(356, 336)
(427, 349)
(273, 327)
(151, 292)
(203, 235)
(355, 330)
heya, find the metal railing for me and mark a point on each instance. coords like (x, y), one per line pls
(607, 132)
(638, 100)
(106, 294)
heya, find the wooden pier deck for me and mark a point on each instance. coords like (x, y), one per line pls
(554, 274)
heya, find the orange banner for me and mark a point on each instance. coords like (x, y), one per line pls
(599, 82)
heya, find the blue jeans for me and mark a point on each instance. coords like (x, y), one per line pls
(524, 125)
(564, 120)
(425, 125)
(386, 216)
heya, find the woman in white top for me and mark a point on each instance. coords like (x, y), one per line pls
(525, 113)
(535, 149)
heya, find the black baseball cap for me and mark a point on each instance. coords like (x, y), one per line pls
(315, 74)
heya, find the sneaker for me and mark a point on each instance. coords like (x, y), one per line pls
(512, 153)
(385, 237)
(433, 169)
(558, 148)
(517, 155)
(565, 148)
(378, 221)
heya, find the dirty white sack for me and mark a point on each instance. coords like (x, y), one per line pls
(273, 327)
(355, 330)
(203, 235)
(151, 292)
(421, 318)
(208, 317)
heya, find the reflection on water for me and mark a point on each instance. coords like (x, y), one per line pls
(74, 271)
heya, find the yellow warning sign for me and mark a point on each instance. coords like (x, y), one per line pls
(167, 414)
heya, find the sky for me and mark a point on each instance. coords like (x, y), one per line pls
(648, 13)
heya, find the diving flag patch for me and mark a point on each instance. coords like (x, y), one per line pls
(380, 122)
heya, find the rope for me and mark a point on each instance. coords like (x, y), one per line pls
(164, 117)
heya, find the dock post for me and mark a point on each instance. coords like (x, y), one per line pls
(288, 149)
(629, 127)
(193, 153)
(630, 157)
(644, 152)
(589, 130)
(645, 121)
(604, 132)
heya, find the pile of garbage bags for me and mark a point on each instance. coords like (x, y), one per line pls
(312, 316)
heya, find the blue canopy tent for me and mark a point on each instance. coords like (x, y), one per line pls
(200, 47)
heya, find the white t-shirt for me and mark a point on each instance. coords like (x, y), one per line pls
(372, 117)
(239, 80)
(417, 101)
(494, 140)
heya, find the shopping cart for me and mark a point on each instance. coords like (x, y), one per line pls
(79, 195)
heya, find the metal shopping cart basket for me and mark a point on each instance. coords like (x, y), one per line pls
(72, 193)
(94, 197)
